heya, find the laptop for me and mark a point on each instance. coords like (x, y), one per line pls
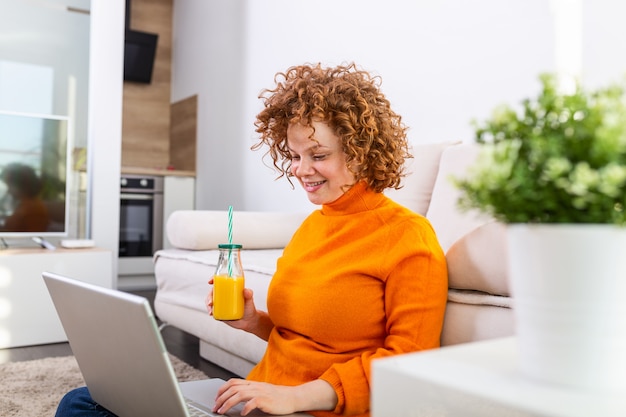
(121, 355)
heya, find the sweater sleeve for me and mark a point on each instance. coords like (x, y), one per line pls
(415, 295)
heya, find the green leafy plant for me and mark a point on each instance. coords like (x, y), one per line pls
(562, 159)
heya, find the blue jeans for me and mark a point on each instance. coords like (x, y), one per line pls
(78, 402)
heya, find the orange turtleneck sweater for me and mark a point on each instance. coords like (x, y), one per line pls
(362, 278)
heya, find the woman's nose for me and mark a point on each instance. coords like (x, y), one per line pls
(302, 168)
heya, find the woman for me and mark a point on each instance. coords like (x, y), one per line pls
(363, 277)
(30, 213)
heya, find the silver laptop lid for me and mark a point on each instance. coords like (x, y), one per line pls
(118, 347)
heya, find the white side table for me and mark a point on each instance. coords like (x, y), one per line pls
(476, 379)
(27, 314)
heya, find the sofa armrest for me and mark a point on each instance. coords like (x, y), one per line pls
(478, 261)
(205, 229)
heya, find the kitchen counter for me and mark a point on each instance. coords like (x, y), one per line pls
(157, 171)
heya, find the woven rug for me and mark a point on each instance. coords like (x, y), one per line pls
(34, 388)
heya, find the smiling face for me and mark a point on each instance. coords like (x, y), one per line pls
(318, 162)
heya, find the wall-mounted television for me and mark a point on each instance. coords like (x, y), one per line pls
(34, 175)
(139, 54)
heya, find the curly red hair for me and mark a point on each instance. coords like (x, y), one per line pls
(349, 100)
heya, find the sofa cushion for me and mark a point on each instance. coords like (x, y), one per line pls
(422, 169)
(205, 229)
(449, 222)
(478, 260)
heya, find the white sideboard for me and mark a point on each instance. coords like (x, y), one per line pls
(27, 314)
(476, 379)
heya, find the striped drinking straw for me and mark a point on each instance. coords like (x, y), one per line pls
(230, 239)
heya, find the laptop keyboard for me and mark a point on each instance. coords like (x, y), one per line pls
(195, 410)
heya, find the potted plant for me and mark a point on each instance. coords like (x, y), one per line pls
(555, 173)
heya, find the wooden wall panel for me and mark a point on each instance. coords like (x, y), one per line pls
(183, 128)
(146, 107)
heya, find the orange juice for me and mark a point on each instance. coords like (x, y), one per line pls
(227, 297)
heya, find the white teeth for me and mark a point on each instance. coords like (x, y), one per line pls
(314, 184)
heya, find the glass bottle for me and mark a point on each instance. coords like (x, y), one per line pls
(228, 283)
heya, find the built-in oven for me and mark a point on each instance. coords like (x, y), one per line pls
(141, 215)
(141, 222)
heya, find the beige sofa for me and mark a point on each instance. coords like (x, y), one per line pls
(479, 305)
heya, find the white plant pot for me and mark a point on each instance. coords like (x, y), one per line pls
(569, 289)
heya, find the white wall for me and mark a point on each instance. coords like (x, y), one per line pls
(443, 64)
(208, 54)
(604, 41)
(105, 121)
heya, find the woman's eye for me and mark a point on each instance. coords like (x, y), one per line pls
(319, 157)
(294, 157)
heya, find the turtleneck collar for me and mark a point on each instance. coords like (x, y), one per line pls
(357, 199)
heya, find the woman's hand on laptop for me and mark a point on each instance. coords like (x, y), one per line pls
(253, 321)
(275, 399)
